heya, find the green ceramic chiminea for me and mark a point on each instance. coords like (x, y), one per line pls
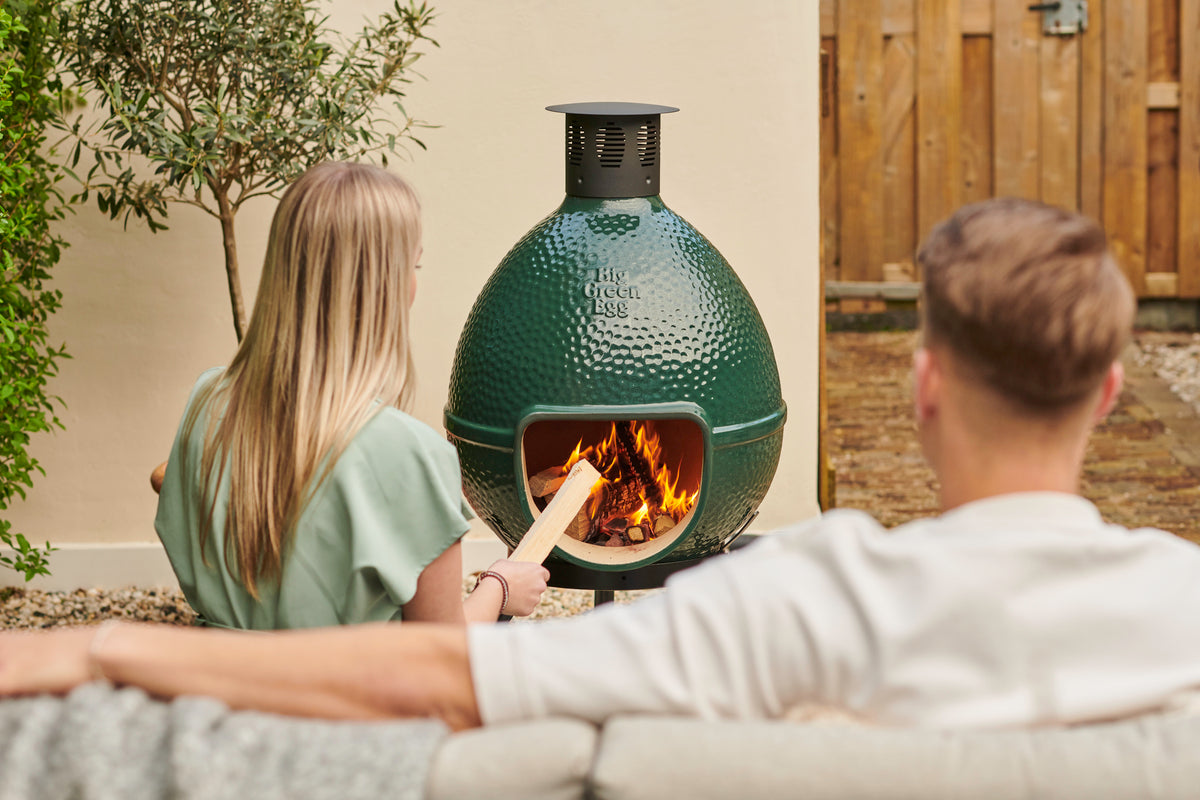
(615, 331)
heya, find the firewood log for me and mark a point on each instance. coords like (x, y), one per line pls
(546, 482)
(619, 499)
(635, 465)
(615, 526)
(581, 526)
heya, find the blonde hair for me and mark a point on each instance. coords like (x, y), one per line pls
(1029, 300)
(326, 348)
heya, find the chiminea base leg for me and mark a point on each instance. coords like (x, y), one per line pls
(602, 596)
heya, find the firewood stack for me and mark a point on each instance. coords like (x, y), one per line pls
(608, 518)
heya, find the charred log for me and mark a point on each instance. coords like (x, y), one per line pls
(636, 465)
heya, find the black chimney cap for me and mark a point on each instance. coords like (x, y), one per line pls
(612, 148)
(611, 109)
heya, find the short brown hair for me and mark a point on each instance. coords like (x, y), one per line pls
(1028, 298)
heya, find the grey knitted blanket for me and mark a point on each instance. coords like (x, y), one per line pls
(100, 743)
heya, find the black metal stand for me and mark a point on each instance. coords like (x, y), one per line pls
(564, 575)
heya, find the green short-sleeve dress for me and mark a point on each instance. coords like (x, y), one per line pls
(392, 504)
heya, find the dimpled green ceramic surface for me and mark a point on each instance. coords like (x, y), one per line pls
(617, 309)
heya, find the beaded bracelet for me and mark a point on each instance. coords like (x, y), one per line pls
(488, 573)
(93, 652)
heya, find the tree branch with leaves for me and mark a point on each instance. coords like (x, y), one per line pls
(214, 102)
(30, 202)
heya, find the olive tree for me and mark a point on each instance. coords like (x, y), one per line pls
(214, 102)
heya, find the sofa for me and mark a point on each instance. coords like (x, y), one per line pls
(638, 758)
(100, 743)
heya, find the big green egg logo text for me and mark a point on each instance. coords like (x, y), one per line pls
(609, 292)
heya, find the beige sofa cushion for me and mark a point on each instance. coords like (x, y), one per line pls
(656, 757)
(546, 760)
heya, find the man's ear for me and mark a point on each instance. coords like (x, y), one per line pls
(927, 383)
(1110, 390)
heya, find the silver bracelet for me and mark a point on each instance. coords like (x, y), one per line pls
(489, 573)
(103, 631)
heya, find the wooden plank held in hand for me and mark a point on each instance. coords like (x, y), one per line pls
(541, 537)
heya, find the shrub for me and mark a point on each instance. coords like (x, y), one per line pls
(29, 203)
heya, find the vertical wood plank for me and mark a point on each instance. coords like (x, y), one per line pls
(1162, 152)
(1125, 45)
(899, 149)
(1189, 149)
(1058, 151)
(977, 17)
(1015, 48)
(829, 160)
(899, 17)
(860, 116)
(977, 119)
(939, 110)
(1091, 114)
(828, 18)
(825, 490)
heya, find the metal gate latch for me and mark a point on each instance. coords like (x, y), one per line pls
(1064, 18)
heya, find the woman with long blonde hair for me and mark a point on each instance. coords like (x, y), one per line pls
(297, 493)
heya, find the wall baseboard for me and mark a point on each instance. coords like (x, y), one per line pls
(145, 565)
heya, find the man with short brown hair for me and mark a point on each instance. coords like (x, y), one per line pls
(1017, 606)
(1028, 298)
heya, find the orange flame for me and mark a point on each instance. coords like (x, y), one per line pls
(675, 502)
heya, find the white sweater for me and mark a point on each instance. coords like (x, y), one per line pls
(1019, 610)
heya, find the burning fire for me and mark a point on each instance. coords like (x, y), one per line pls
(638, 497)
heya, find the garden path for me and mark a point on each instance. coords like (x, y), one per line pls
(1142, 466)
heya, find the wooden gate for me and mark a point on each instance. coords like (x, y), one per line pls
(929, 104)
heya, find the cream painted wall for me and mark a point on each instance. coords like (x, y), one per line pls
(144, 314)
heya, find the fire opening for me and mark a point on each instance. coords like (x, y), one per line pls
(651, 475)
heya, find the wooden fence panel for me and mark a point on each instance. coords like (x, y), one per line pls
(899, 149)
(939, 110)
(1162, 151)
(932, 103)
(1125, 48)
(977, 118)
(1058, 152)
(830, 165)
(1188, 251)
(1091, 114)
(1015, 46)
(860, 151)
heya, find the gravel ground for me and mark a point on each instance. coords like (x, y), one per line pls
(1174, 357)
(29, 608)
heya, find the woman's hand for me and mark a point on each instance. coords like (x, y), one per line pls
(45, 662)
(526, 583)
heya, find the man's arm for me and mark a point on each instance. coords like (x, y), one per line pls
(358, 672)
(746, 635)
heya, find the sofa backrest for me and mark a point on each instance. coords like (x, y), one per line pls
(543, 760)
(640, 758)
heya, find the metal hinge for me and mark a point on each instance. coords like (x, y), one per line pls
(1063, 18)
